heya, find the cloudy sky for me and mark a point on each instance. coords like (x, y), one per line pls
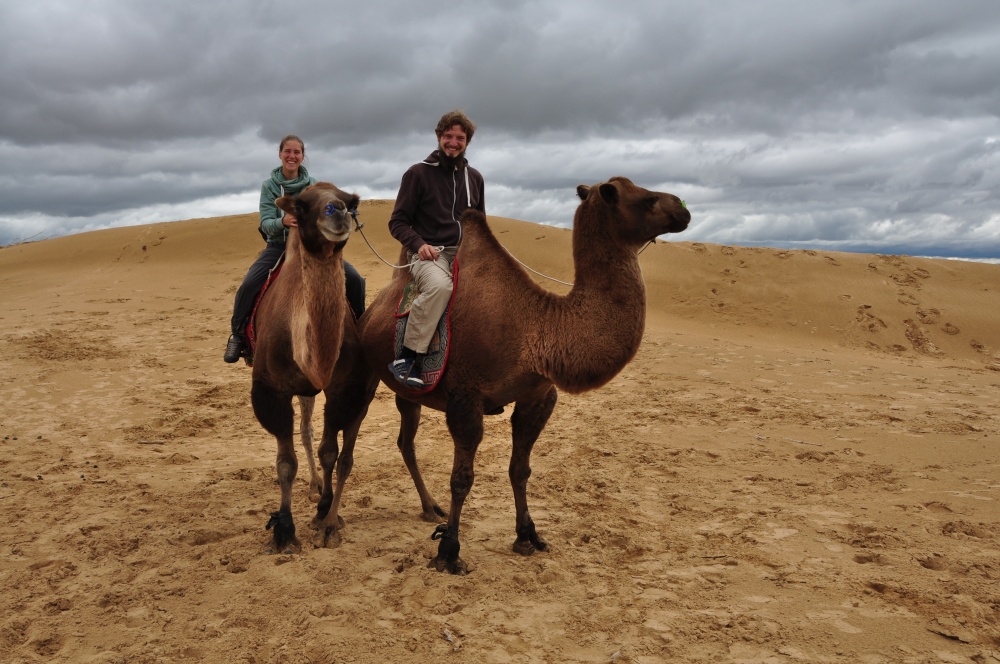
(841, 125)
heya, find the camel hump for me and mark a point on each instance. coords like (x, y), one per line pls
(473, 216)
(474, 225)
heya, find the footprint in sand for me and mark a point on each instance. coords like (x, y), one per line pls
(869, 321)
(905, 279)
(920, 343)
(933, 561)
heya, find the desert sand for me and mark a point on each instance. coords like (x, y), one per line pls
(800, 465)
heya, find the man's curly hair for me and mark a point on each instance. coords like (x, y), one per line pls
(456, 117)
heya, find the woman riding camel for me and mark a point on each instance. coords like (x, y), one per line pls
(288, 179)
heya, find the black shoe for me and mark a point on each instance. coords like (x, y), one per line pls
(234, 349)
(407, 372)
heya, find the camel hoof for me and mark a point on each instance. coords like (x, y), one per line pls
(289, 548)
(456, 567)
(327, 538)
(318, 521)
(434, 514)
(527, 547)
(284, 531)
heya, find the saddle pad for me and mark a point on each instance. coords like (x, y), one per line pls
(433, 364)
(251, 330)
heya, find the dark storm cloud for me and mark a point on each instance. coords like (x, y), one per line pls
(843, 125)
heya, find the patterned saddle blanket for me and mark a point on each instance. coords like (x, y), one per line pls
(251, 330)
(434, 362)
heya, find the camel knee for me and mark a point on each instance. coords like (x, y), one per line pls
(344, 466)
(519, 476)
(287, 468)
(461, 484)
(328, 457)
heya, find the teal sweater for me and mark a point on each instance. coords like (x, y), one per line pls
(273, 188)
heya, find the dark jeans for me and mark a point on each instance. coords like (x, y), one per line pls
(246, 295)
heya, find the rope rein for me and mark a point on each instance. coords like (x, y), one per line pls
(358, 226)
(564, 283)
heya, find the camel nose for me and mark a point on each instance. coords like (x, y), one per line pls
(681, 219)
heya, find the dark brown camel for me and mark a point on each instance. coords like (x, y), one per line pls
(514, 342)
(307, 342)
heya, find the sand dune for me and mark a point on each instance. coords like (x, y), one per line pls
(801, 464)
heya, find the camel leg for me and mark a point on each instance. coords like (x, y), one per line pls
(346, 408)
(306, 405)
(275, 413)
(330, 524)
(527, 422)
(465, 422)
(409, 420)
(329, 453)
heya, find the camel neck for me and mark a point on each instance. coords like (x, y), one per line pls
(316, 287)
(598, 325)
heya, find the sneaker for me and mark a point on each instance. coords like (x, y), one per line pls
(405, 370)
(234, 349)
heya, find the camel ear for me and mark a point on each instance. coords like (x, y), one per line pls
(583, 191)
(609, 193)
(286, 203)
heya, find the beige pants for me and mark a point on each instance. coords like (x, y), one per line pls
(433, 280)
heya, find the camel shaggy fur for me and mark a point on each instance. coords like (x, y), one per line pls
(514, 342)
(307, 342)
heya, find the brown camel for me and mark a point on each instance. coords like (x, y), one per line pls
(514, 342)
(307, 342)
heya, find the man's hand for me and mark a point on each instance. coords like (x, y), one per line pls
(428, 253)
(289, 220)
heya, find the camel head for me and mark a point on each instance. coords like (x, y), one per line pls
(633, 214)
(323, 213)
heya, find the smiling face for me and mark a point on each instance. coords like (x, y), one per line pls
(453, 141)
(292, 153)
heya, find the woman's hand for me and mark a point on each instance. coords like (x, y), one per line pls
(289, 220)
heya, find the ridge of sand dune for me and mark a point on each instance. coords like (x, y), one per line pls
(799, 465)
